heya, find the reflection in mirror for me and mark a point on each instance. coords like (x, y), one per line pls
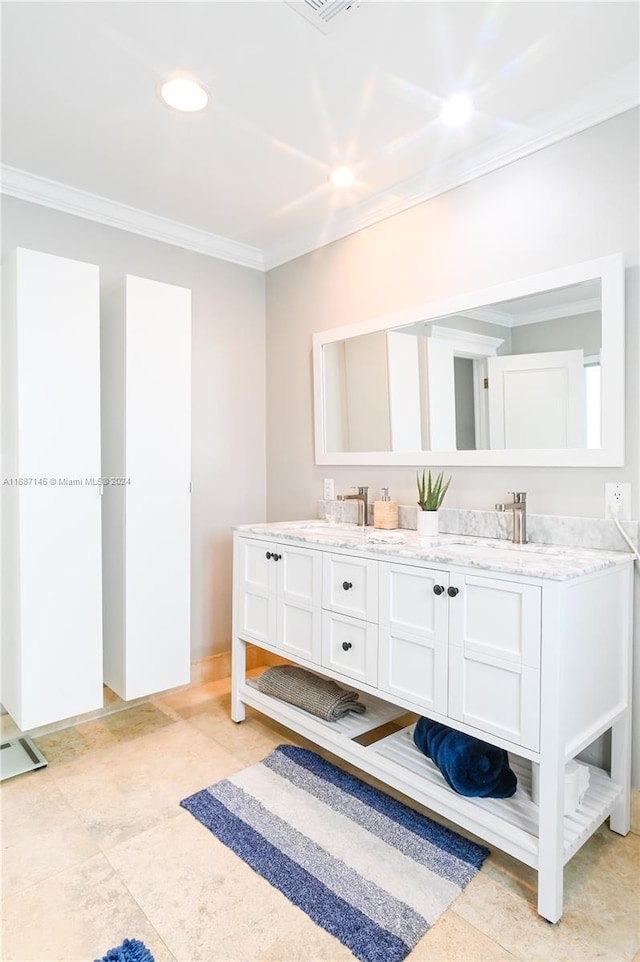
(523, 373)
(528, 372)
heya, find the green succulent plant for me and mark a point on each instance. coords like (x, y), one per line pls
(431, 493)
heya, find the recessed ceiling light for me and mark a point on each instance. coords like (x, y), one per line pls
(456, 110)
(341, 177)
(183, 94)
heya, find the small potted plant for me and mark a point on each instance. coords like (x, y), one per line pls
(430, 497)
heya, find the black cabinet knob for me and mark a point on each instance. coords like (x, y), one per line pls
(346, 645)
(452, 592)
(268, 555)
(276, 557)
(438, 589)
(346, 585)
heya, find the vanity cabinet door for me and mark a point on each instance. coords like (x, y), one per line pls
(494, 657)
(280, 595)
(256, 596)
(413, 653)
(298, 601)
(350, 586)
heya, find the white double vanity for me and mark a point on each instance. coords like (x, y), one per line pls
(526, 647)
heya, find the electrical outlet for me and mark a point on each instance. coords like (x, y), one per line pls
(617, 500)
(328, 490)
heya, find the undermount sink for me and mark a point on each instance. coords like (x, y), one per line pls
(517, 552)
(325, 529)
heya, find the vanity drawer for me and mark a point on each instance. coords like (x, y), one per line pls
(350, 586)
(350, 646)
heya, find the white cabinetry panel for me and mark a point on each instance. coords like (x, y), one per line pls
(256, 600)
(146, 361)
(497, 618)
(494, 657)
(298, 595)
(279, 603)
(350, 646)
(350, 586)
(52, 618)
(413, 653)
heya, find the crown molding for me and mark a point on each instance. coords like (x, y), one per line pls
(70, 200)
(467, 344)
(587, 305)
(490, 314)
(604, 101)
(536, 315)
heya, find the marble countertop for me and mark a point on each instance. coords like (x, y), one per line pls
(556, 562)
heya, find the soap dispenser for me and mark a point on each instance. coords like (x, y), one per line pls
(385, 512)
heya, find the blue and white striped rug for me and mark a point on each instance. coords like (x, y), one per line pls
(368, 869)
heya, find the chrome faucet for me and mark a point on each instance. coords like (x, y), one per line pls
(519, 508)
(362, 498)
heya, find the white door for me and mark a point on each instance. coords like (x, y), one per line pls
(537, 400)
(56, 669)
(158, 469)
(494, 657)
(413, 634)
(298, 601)
(147, 528)
(256, 591)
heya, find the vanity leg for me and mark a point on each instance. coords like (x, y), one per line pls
(620, 820)
(551, 840)
(238, 677)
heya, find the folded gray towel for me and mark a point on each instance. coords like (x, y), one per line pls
(320, 696)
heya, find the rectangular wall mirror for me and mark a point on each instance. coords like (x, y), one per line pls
(526, 373)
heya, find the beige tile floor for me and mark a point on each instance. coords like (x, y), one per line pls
(96, 849)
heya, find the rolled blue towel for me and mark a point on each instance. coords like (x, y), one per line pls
(471, 767)
(131, 950)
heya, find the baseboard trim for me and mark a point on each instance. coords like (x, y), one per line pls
(217, 667)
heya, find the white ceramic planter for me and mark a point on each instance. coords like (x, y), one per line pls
(427, 523)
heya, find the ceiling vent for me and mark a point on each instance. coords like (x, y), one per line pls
(323, 14)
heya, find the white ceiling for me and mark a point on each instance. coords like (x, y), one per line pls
(246, 179)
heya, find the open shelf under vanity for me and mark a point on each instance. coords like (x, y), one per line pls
(511, 823)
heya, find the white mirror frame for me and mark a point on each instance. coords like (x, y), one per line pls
(610, 271)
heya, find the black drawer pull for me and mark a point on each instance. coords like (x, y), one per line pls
(452, 592)
(346, 645)
(438, 589)
(276, 557)
(268, 555)
(346, 585)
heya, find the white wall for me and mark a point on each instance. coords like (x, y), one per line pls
(570, 202)
(228, 393)
(579, 331)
